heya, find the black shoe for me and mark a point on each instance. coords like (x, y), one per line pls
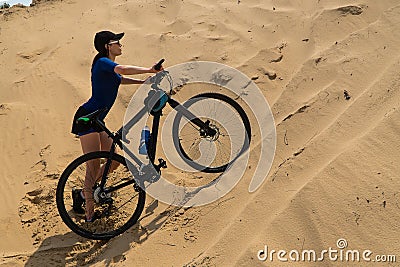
(77, 201)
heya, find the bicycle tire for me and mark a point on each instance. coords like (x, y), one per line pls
(231, 105)
(91, 230)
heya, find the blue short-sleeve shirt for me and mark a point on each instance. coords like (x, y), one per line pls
(105, 84)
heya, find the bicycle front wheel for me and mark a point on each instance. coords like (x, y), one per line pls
(212, 154)
(117, 210)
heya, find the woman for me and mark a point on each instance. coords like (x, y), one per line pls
(106, 78)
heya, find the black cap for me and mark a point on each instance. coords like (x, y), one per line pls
(103, 37)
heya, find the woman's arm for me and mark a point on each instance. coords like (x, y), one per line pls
(131, 70)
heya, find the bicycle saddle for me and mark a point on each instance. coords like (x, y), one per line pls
(91, 116)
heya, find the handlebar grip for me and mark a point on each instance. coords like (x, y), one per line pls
(158, 65)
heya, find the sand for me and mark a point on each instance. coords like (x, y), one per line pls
(335, 171)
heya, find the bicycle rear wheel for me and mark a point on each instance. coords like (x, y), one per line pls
(212, 154)
(118, 211)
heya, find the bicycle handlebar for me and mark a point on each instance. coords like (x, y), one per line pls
(159, 64)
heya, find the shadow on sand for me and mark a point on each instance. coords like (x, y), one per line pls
(70, 249)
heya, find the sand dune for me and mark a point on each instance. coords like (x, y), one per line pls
(335, 169)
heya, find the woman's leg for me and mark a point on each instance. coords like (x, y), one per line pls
(106, 143)
(90, 142)
(94, 142)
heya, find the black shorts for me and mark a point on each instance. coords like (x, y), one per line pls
(81, 128)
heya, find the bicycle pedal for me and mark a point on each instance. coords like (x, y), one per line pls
(162, 163)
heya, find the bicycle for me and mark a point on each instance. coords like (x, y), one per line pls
(119, 193)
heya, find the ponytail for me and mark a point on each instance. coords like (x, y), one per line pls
(97, 57)
(103, 53)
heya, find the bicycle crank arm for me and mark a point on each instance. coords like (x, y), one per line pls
(162, 164)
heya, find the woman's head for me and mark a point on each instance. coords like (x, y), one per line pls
(107, 44)
(106, 40)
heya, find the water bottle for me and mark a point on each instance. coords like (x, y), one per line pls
(144, 141)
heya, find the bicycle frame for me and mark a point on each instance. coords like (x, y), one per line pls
(120, 140)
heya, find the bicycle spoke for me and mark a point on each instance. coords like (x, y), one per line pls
(232, 128)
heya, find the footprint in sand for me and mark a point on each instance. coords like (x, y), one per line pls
(4, 108)
(38, 213)
(350, 10)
